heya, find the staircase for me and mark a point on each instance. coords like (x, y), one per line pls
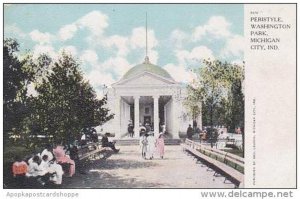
(135, 141)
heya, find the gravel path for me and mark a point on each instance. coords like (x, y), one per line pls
(128, 170)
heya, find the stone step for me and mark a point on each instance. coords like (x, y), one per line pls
(130, 142)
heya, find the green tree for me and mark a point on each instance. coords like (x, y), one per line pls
(209, 88)
(235, 100)
(14, 90)
(218, 86)
(192, 102)
(65, 103)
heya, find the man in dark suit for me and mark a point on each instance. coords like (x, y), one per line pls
(189, 132)
(106, 143)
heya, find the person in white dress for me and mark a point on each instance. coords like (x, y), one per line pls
(143, 145)
(151, 146)
(57, 172)
(48, 151)
(142, 128)
(37, 171)
(34, 168)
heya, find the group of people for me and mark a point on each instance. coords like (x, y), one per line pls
(149, 145)
(146, 128)
(88, 135)
(193, 130)
(44, 168)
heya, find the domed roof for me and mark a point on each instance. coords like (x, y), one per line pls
(147, 67)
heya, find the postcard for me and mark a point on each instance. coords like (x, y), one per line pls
(149, 96)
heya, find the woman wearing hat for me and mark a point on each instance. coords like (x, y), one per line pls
(151, 146)
(160, 145)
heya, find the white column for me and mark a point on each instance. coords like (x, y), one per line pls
(136, 116)
(156, 115)
(165, 116)
(117, 118)
(175, 121)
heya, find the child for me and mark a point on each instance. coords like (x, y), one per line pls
(144, 144)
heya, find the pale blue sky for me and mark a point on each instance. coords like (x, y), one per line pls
(110, 38)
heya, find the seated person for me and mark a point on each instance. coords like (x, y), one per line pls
(40, 172)
(19, 170)
(34, 168)
(94, 137)
(19, 167)
(203, 135)
(83, 140)
(44, 162)
(48, 151)
(106, 143)
(56, 171)
(63, 159)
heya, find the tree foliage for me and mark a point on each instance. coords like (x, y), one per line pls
(14, 89)
(64, 102)
(218, 87)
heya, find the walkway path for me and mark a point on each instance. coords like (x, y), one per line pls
(128, 170)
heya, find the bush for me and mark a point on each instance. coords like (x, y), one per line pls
(10, 153)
